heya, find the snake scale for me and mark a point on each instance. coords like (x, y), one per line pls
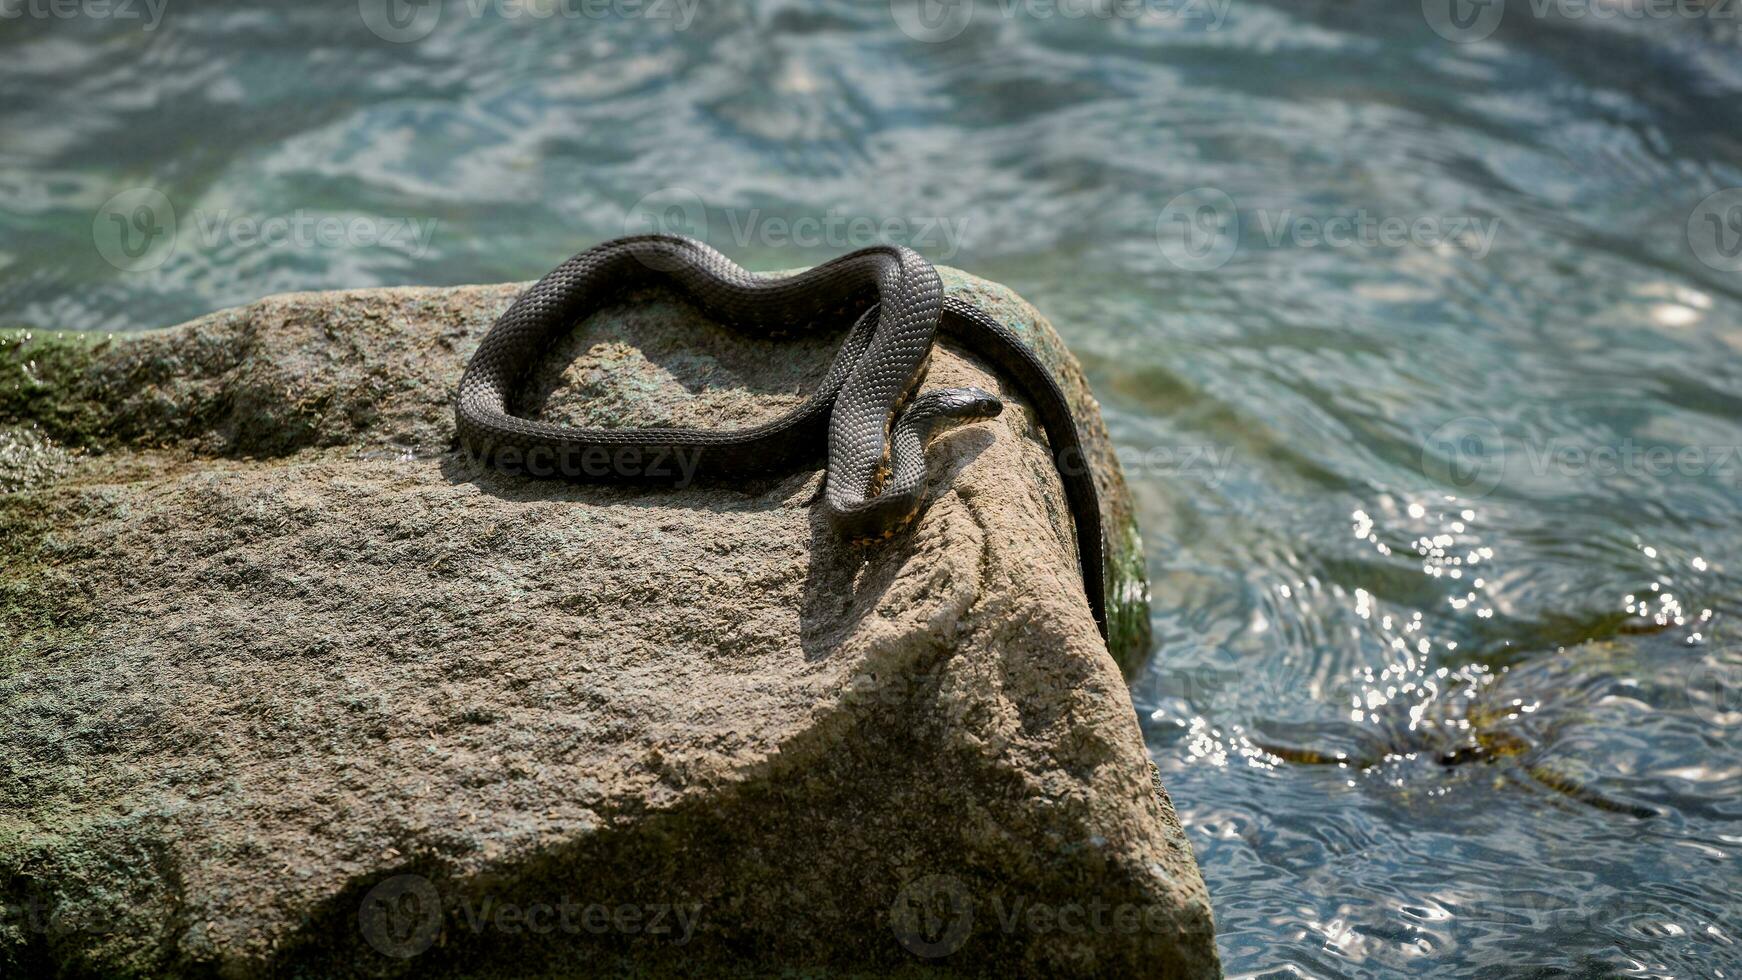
(876, 428)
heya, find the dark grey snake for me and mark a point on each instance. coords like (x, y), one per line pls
(875, 429)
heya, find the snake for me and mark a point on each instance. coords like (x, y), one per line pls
(868, 412)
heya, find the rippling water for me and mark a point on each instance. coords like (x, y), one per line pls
(1420, 335)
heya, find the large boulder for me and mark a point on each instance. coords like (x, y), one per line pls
(290, 687)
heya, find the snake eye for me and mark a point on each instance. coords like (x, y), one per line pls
(973, 403)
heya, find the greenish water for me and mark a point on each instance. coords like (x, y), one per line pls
(1425, 358)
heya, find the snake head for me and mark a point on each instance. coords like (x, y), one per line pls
(956, 405)
(899, 494)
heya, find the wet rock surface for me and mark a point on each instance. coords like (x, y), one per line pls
(287, 687)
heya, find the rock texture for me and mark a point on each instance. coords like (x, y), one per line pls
(288, 688)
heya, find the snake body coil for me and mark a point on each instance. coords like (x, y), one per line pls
(875, 434)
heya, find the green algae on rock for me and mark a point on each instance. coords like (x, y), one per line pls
(288, 687)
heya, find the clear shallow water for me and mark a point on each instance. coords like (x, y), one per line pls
(1448, 485)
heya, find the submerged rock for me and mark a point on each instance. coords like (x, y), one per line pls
(288, 687)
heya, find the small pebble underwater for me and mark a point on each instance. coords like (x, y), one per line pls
(1418, 327)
